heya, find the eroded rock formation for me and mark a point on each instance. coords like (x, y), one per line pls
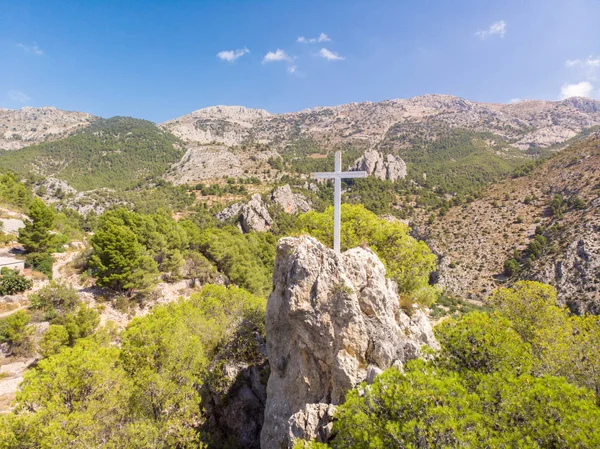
(380, 166)
(290, 202)
(332, 322)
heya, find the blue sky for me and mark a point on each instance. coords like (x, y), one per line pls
(159, 59)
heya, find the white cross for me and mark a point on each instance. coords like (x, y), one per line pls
(337, 176)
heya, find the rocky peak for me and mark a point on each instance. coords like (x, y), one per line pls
(333, 321)
(380, 166)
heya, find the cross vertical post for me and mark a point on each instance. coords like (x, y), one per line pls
(337, 204)
(337, 175)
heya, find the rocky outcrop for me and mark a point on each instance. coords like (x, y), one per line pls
(332, 321)
(229, 212)
(254, 215)
(290, 202)
(251, 216)
(380, 166)
(575, 272)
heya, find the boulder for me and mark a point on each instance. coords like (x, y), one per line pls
(380, 166)
(333, 321)
(290, 202)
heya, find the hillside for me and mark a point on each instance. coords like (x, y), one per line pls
(28, 126)
(110, 153)
(475, 239)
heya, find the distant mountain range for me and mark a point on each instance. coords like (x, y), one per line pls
(524, 125)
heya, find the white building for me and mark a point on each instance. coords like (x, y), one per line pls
(12, 263)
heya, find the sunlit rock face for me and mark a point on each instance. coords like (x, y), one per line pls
(333, 321)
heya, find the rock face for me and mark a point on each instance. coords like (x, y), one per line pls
(575, 273)
(254, 215)
(332, 322)
(290, 202)
(380, 166)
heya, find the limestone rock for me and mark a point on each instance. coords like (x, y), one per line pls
(575, 273)
(255, 216)
(313, 422)
(290, 202)
(331, 319)
(380, 166)
(229, 212)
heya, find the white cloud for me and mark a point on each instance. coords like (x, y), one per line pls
(278, 55)
(232, 55)
(312, 40)
(31, 48)
(590, 62)
(495, 29)
(329, 55)
(515, 100)
(292, 69)
(582, 89)
(18, 96)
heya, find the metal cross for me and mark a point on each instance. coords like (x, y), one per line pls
(337, 177)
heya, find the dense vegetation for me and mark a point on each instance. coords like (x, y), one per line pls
(131, 250)
(111, 153)
(524, 376)
(145, 393)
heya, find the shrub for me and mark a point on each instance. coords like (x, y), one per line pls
(12, 282)
(511, 267)
(15, 331)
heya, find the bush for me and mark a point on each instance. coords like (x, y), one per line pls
(433, 407)
(53, 340)
(482, 343)
(41, 262)
(15, 331)
(11, 282)
(511, 267)
(55, 297)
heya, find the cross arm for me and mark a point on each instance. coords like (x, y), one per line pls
(341, 175)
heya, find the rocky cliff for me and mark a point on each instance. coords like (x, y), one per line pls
(332, 321)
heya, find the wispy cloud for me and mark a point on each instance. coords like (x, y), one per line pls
(312, 40)
(31, 48)
(232, 55)
(589, 62)
(495, 29)
(292, 69)
(18, 96)
(277, 55)
(329, 55)
(515, 100)
(582, 89)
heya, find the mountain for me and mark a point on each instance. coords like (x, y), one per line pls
(525, 125)
(441, 138)
(28, 126)
(114, 153)
(556, 205)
